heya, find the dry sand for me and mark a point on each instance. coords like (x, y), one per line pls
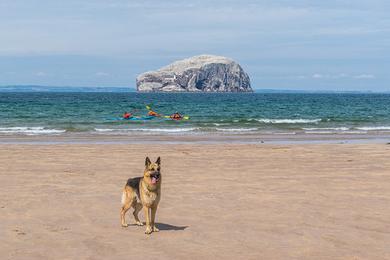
(324, 201)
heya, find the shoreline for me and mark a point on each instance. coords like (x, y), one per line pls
(196, 139)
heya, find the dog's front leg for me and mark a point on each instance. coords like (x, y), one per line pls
(154, 210)
(147, 216)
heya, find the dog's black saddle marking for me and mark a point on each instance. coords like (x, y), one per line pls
(134, 183)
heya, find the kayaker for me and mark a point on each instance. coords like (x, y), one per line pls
(152, 113)
(127, 115)
(176, 116)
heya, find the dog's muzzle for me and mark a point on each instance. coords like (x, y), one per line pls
(155, 177)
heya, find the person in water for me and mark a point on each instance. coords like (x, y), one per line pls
(152, 113)
(127, 115)
(176, 116)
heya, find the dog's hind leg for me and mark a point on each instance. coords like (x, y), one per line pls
(126, 205)
(124, 209)
(137, 209)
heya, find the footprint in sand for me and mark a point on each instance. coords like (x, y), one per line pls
(19, 232)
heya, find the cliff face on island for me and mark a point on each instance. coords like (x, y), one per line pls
(204, 73)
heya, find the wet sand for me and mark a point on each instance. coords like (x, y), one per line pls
(201, 138)
(220, 201)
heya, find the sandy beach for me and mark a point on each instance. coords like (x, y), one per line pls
(219, 201)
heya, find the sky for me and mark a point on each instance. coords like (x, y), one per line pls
(337, 45)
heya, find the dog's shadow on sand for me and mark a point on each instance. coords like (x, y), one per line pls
(164, 226)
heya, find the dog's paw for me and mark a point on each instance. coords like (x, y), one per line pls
(148, 230)
(155, 229)
(139, 223)
(125, 225)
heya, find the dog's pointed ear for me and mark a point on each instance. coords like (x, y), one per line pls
(158, 160)
(147, 161)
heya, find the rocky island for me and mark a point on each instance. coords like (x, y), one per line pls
(204, 73)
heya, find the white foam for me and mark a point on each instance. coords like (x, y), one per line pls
(373, 128)
(165, 130)
(319, 132)
(355, 132)
(29, 130)
(287, 121)
(326, 128)
(284, 133)
(332, 132)
(105, 130)
(236, 129)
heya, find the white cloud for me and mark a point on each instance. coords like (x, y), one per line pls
(317, 76)
(364, 76)
(334, 76)
(349, 31)
(102, 74)
(41, 74)
(341, 75)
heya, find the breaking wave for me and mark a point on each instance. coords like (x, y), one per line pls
(29, 130)
(287, 121)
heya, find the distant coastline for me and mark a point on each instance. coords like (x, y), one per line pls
(38, 88)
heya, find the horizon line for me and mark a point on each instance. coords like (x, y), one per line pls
(48, 88)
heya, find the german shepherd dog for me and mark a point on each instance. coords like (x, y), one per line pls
(143, 192)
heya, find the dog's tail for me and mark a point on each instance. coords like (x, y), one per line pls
(123, 200)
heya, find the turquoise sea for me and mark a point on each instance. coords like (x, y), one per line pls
(47, 113)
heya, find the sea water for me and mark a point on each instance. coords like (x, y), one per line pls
(47, 113)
